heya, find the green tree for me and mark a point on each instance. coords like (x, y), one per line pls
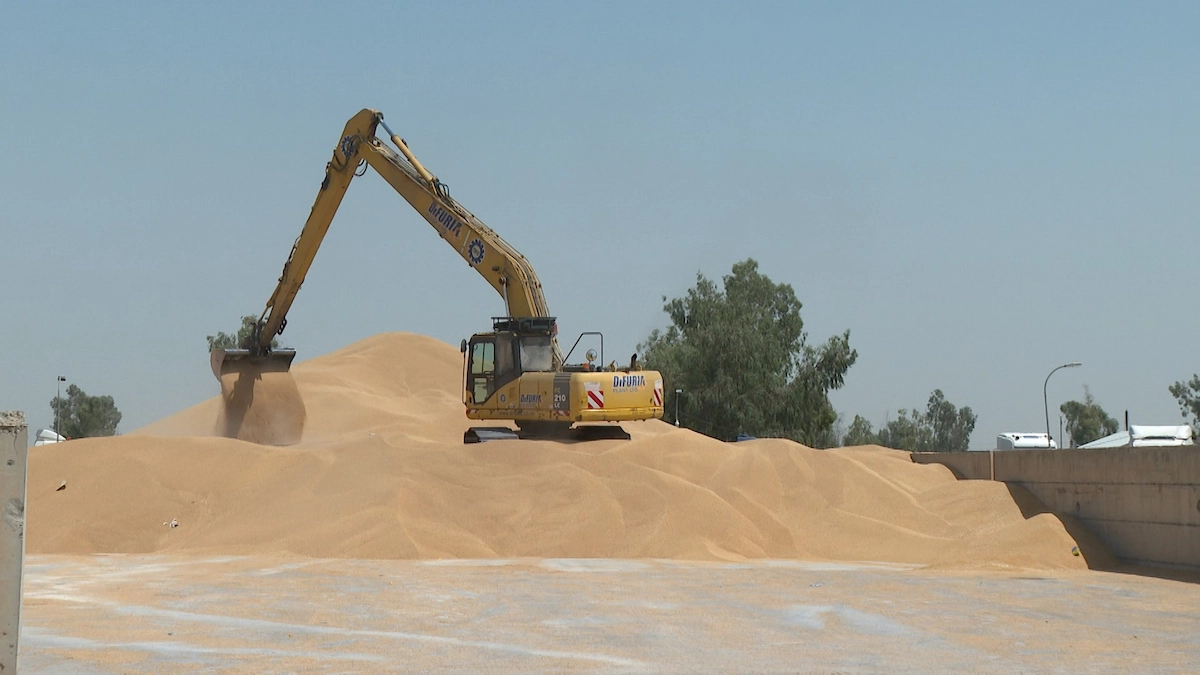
(1087, 421)
(951, 427)
(905, 432)
(941, 428)
(860, 433)
(1188, 396)
(224, 340)
(83, 416)
(741, 357)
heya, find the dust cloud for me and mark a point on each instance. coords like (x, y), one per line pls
(264, 408)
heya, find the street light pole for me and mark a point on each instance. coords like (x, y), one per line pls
(58, 402)
(678, 393)
(1045, 404)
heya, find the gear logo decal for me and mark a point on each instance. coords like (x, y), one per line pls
(349, 146)
(475, 251)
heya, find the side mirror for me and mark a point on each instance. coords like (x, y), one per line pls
(463, 347)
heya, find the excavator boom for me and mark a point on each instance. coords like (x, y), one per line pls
(501, 266)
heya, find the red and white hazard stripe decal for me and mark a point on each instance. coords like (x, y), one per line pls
(595, 396)
(658, 393)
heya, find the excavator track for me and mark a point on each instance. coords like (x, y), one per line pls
(548, 431)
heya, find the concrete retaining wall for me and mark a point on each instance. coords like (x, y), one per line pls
(1143, 503)
(14, 442)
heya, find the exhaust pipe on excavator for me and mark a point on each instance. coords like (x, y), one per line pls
(261, 402)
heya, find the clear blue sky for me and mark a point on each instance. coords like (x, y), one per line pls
(978, 192)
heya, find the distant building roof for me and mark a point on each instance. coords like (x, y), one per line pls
(1141, 435)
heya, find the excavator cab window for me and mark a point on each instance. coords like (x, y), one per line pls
(505, 371)
(483, 369)
(537, 355)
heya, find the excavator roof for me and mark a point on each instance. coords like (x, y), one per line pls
(540, 325)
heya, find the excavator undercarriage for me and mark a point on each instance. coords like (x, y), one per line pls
(547, 431)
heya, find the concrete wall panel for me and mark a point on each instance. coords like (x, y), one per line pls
(1144, 503)
(14, 448)
(965, 465)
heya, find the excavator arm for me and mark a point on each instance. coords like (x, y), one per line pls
(505, 269)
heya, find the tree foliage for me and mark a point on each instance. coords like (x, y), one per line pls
(942, 427)
(1086, 420)
(83, 416)
(860, 433)
(741, 357)
(224, 340)
(1187, 394)
(905, 432)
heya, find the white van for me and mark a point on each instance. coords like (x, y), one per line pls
(1015, 440)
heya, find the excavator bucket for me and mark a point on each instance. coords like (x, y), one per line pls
(232, 361)
(262, 403)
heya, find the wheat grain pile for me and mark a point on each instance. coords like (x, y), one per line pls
(381, 472)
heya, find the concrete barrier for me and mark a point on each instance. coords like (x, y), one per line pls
(14, 447)
(965, 465)
(1143, 503)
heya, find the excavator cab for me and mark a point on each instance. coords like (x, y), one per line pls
(516, 373)
(515, 346)
(506, 372)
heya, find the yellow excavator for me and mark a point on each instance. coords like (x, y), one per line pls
(515, 372)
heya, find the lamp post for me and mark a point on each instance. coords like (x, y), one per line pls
(58, 402)
(678, 393)
(1045, 404)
